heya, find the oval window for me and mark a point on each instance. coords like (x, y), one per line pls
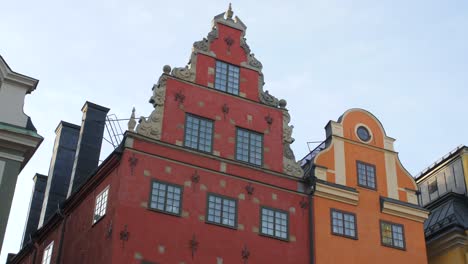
(363, 134)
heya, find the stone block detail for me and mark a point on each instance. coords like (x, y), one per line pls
(241, 94)
(211, 71)
(222, 183)
(231, 140)
(179, 143)
(216, 153)
(249, 118)
(185, 214)
(188, 184)
(266, 166)
(144, 204)
(210, 85)
(266, 149)
(232, 121)
(201, 218)
(255, 229)
(241, 196)
(138, 256)
(146, 173)
(222, 167)
(203, 187)
(219, 260)
(266, 132)
(256, 200)
(274, 196)
(161, 249)
(292, 238)
(201, 104)
(180, 126)
(292, 210)
(230, 156)
(240, 226)
(218, 117)
(168, 169)
(181, 107)
(217, 136)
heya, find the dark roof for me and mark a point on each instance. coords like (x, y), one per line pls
(451, 210)
(313, 153)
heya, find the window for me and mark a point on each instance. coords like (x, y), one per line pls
(101, 205)
(227, 78)
(48, 253)
(274, 223)
(222, 210)
(366, 175)
(363, 134)
(343, 223)
(249, 146)
(166, 197)
(198, 133)
(433, 187)
(392, 235)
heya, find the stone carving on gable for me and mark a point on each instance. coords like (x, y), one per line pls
(290, 166)
(152, 126)
(202, 45)
(252, 61)
(244, 45)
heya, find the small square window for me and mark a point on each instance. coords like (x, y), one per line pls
(166, 197)
(101, 205)
(432, 187)
(46, 258)
(198, 133)
(366, 175)
(392, 235)
(249, 146)
(343, 223)
(274, 223)
(227, 78)
(222, 210)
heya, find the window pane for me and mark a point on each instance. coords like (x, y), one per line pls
(221, 210)
(227, 77)
(198, 133)
(249, 146)
(165, 197)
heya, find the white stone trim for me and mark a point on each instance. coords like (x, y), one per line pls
(408, 212)
(2, 168)
(391, 175)
(11, 157)
(336, 194)
(340, 166)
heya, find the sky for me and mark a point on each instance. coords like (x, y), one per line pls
(404, 61)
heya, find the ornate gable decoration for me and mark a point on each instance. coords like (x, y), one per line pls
(152, 125)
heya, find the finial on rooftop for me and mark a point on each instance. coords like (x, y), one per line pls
(229, 12)
(132, 122)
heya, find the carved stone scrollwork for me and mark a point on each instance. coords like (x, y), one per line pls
(290, 166)
(252, 61)
(202, 45)
(244, 45)
(213, 34)
(185, 73)
(151, 126)
(266, 97)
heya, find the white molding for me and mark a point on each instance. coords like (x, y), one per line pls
(2, 168)
(340, 159)
(336, 194)
(391, 175)
(11, 157)
(408, 212)
(6, 74)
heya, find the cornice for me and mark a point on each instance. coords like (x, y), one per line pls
(402, 209)
(333, 192)
(6, 74)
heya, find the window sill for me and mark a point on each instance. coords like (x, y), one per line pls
(349, 237)
(390, 246)
(221, 225)
(274, 237)
(163, 212)
(97, 221)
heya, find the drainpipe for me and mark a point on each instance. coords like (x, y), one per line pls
(62, 235)
(311, 190)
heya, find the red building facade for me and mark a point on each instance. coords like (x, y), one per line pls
(209, 177)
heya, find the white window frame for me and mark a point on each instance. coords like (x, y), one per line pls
(100, 205)
(47, 256)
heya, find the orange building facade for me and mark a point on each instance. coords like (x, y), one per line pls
(365, 203)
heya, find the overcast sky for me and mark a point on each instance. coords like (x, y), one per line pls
(404, 61)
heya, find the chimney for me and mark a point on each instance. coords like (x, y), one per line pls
(89, 144)
(60, 170)
(35, 205)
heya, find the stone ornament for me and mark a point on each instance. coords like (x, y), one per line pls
(290, 166)
(151, 126)
(132, 121)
